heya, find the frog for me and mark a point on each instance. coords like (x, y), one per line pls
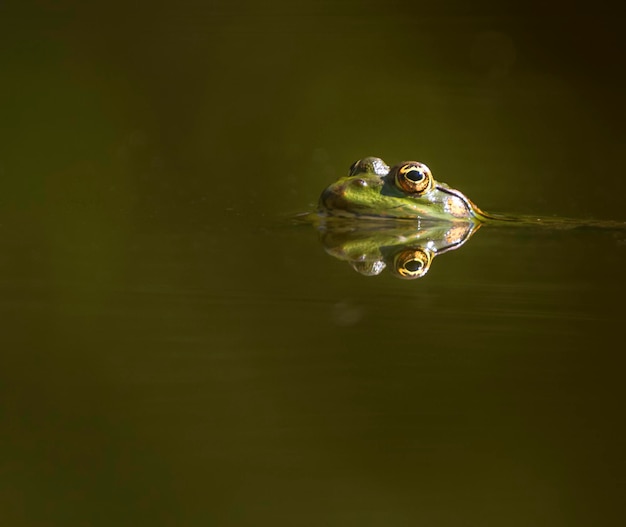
(408, 191)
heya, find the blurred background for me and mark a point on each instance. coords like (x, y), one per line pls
(176, 352)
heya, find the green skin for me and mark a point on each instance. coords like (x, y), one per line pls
(372, 191)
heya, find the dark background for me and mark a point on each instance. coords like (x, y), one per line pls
(176, 352)
(155, 106)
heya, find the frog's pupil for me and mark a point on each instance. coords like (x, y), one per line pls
(413, 266)
(415, 175)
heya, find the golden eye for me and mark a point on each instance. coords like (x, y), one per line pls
(413, 177)
(412, 263)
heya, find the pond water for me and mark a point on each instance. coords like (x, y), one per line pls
(177, 350)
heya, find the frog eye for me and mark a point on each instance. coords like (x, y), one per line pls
(412, 263)
(369, 165)
(413, 177)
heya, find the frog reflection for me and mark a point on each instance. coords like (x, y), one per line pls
(403, 247)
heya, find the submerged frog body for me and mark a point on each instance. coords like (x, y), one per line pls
(407, 190)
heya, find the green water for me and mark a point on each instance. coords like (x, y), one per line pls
(177, 352)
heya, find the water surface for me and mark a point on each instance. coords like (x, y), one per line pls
(177, 351)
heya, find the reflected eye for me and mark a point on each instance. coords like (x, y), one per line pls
(413, 177)
(412, 263)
